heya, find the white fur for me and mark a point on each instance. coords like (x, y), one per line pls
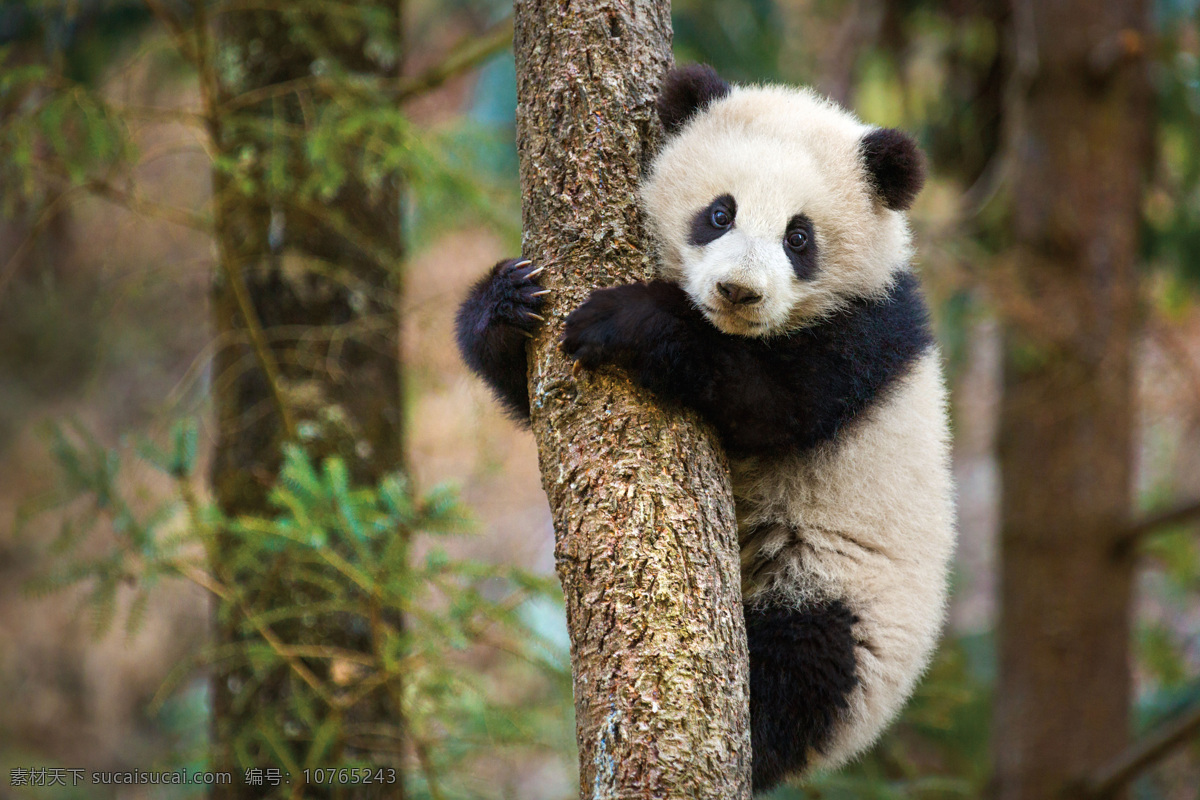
(875, 527)
(872, 514)
(779, 152)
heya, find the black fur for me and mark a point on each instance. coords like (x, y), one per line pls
(804, 262)
(492, 326)
(703, 229)
(686, 91)
(802, 671)
(896, 166)
(765, 396)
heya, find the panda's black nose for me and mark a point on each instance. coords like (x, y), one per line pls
(738, 295)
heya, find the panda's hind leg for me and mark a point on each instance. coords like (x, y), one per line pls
(802, 671)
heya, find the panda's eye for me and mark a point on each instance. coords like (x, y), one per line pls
(713, 221)
(797, 240)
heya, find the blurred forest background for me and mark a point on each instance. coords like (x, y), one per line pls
(185, 210)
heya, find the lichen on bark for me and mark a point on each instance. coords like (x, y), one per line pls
(646, 540)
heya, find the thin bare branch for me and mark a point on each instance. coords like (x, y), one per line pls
(49, 212)
(227, 261)
(159, 114)
(140, 205)
(1154, 523)
(463, 58)
(290, 655)
(427, 769)
(1140, 756)
(258, 341)
(174, 27)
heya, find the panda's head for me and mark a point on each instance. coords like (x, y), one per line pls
(772, 205)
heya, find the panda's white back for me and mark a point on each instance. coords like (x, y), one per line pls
(875, 517)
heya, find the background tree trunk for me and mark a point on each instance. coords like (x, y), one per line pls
(646, 537)
(321, 280)
(1081, 150)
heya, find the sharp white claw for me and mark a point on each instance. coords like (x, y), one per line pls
(538, 317)
(523, 263)
(535, 272)
(539, 294)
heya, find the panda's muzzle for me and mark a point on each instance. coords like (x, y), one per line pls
(738, 295)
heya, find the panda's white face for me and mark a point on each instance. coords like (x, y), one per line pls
(764, 213)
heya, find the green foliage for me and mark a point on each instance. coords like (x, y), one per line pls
(51, 342)
(84, 35)
(463, 177)
(339, 129)
(1164, 637)
(373, 559)
(89, 493)
(55, 131)
(1171, 235)
(740, 40)
(332, 131)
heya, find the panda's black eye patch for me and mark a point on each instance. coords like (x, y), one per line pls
(800, 244)
(712, 221)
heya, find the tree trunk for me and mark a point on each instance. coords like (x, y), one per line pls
(1081, 150)
(646, 538)
(306, 308)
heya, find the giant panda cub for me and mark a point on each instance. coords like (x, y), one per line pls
(787, 314)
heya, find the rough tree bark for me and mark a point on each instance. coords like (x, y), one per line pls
(306, 307)
(646, 538)
(1081, 148)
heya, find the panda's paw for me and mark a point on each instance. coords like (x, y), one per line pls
(514, 296)
(599, 331)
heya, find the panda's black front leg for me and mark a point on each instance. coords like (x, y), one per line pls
(631, 326)
(655, 332)
(493, 324)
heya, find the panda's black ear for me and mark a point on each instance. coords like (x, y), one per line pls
(895, 165)
(686, 91)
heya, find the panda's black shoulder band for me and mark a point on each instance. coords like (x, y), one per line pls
(776, 395)
(839, 368)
